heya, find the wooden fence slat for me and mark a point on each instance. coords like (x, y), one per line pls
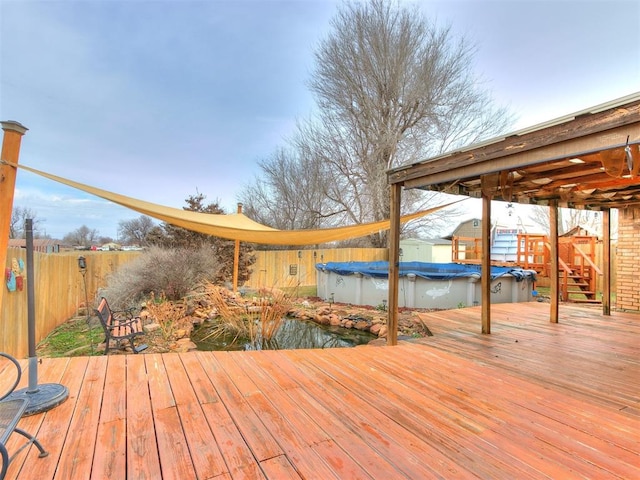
(291, 268)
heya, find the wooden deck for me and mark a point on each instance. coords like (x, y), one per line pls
(531, 400)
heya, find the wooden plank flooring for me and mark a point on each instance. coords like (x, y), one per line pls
(531, 400)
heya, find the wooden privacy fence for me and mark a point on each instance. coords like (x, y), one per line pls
(292, 268)
(59, 291)
(59, 288)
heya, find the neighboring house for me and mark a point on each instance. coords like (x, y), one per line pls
(469, 228)
(43, 245)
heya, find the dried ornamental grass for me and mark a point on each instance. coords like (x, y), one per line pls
(167, 314)
(257, 321)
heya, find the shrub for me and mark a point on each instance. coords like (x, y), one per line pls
(170, 273)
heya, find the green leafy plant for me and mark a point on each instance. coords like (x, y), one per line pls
(73, 338)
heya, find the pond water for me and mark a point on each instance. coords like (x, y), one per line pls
(293, 333)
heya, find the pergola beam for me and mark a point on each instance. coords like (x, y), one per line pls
(606, 262)
(555, 263)
(485, 279)
(394, 265)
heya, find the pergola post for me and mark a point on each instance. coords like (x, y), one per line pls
(606, 262)
(555, 264)
(485, 263)
(236, 258)
(13, 132)
(394, 267)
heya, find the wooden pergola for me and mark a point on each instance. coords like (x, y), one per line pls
(588, 160)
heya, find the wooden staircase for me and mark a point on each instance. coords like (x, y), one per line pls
(577, 286)
(578, 271)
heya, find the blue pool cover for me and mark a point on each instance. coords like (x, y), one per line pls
(433, 271)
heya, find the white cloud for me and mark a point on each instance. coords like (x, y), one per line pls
(156, 100)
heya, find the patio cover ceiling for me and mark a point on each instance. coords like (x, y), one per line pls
(588, 160)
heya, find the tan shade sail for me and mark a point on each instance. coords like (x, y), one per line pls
(235, 226)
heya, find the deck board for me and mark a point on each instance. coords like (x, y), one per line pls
(143, 459)
(418, 417)
(79, 446)
(531, 400)
(382, 430)
(296, 444)
(254, 432)
(313, 442)
(207, 459)
(300, 399)
(109, 460)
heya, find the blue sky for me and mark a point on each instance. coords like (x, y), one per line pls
(160, 99)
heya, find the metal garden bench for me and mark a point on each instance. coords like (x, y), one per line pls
(11, 410)
(118, 327)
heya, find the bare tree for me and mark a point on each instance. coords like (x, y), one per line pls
(568, 218)
(135, 231)
(391, 88)
(82, 237)
(18, 217)
(289, 194)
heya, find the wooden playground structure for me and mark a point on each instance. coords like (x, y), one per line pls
(579, 270)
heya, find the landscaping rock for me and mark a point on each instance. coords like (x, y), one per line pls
(181, 333)
(184, 345)
(361, 325)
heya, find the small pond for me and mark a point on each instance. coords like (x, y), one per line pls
(293, 333)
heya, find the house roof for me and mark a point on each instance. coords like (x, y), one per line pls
(37, 242)
(590, 160)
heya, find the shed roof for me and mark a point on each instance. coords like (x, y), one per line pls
(426, 241)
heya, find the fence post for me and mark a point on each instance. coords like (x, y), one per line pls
(13, 132)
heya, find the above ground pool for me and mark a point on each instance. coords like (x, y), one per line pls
(422, 285)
